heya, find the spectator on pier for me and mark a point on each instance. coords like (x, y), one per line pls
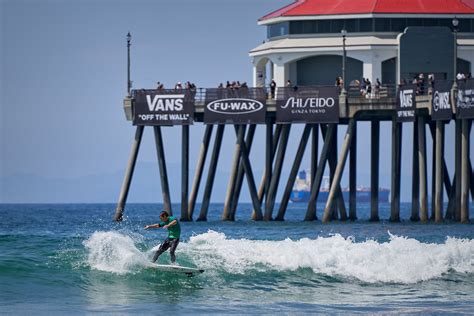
(431, 81)
(378, 84)
(272, 89)
(178, 86)
(368, 88)
(363, 87)
(421, 83)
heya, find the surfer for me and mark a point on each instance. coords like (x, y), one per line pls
(174, 231)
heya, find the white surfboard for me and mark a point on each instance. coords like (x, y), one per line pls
(176, 269)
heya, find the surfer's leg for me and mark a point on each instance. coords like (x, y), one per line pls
(163, 247)
(174, 244)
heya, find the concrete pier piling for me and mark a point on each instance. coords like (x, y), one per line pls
(374, 170)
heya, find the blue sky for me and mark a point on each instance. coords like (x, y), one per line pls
(63, 79)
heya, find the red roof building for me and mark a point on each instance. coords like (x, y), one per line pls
(390, 40)
(338, 7)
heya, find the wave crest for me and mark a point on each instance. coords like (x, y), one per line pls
(401, 260)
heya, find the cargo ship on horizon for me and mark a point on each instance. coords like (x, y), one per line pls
(302, 191)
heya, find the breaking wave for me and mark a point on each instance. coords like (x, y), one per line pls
(400, 260)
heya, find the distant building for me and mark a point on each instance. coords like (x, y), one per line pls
(387, 39)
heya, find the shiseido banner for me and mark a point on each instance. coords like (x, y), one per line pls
(465, 101)
(406, 103)
(163, 107)
(235, 106)
(308, 105)
(441, 102)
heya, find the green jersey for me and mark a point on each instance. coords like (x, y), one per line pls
(173, 231)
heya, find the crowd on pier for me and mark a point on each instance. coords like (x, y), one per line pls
(363, 88)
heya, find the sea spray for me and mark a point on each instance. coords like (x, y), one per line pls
(400, 260)
(114, 252)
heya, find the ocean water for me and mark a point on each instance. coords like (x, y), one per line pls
(73, 259)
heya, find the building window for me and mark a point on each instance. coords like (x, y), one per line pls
(382, 25)
(398, 25)
(278, 29)
(324, 26)
(366, 25)
(394, 25)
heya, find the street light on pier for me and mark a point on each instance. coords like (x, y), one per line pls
(455, 28)
(129, 82)
(344, 33)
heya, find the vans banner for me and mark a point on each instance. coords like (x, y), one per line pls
(406, 103)
(239, 106)
(308, 105)
(167, 107)
(465, 101)
(441, 101)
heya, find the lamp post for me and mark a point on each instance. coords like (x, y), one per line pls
(129, 82)
(344, 33)
(455, 27)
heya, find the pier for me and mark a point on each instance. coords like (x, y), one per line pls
(322, 109)
(417, 59)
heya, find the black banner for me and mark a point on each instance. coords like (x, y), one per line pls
(163, 107)
(465, 101)
(441, 102)
(406, 103)
(235, 106)
(308, 105)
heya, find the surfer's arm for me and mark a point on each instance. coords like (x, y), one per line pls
(171, 224)
(153, 226)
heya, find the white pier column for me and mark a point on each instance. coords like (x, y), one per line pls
(280, 74)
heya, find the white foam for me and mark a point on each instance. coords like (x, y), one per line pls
(401, 260)
(114, 252)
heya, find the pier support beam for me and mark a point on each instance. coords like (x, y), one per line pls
(233, 174)
(199, 169)
(332, 161)
(465, 172)
(293, 173)
(471, 180)
(270, 144)
(415, 186)
(165, 188)
(241, 173)
(396, 170)
(316, 185)
(374, 172)
(433, 170)
(339, 170)
(212, 173)
(353, 175)
(185, 173)
(314, 156)
(439, 173)
(128, 174)
(267, 173)
(422, 169)
(271, 195)
(249, 174)
(456, 206)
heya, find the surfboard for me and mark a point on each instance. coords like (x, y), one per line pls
(176, 269)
